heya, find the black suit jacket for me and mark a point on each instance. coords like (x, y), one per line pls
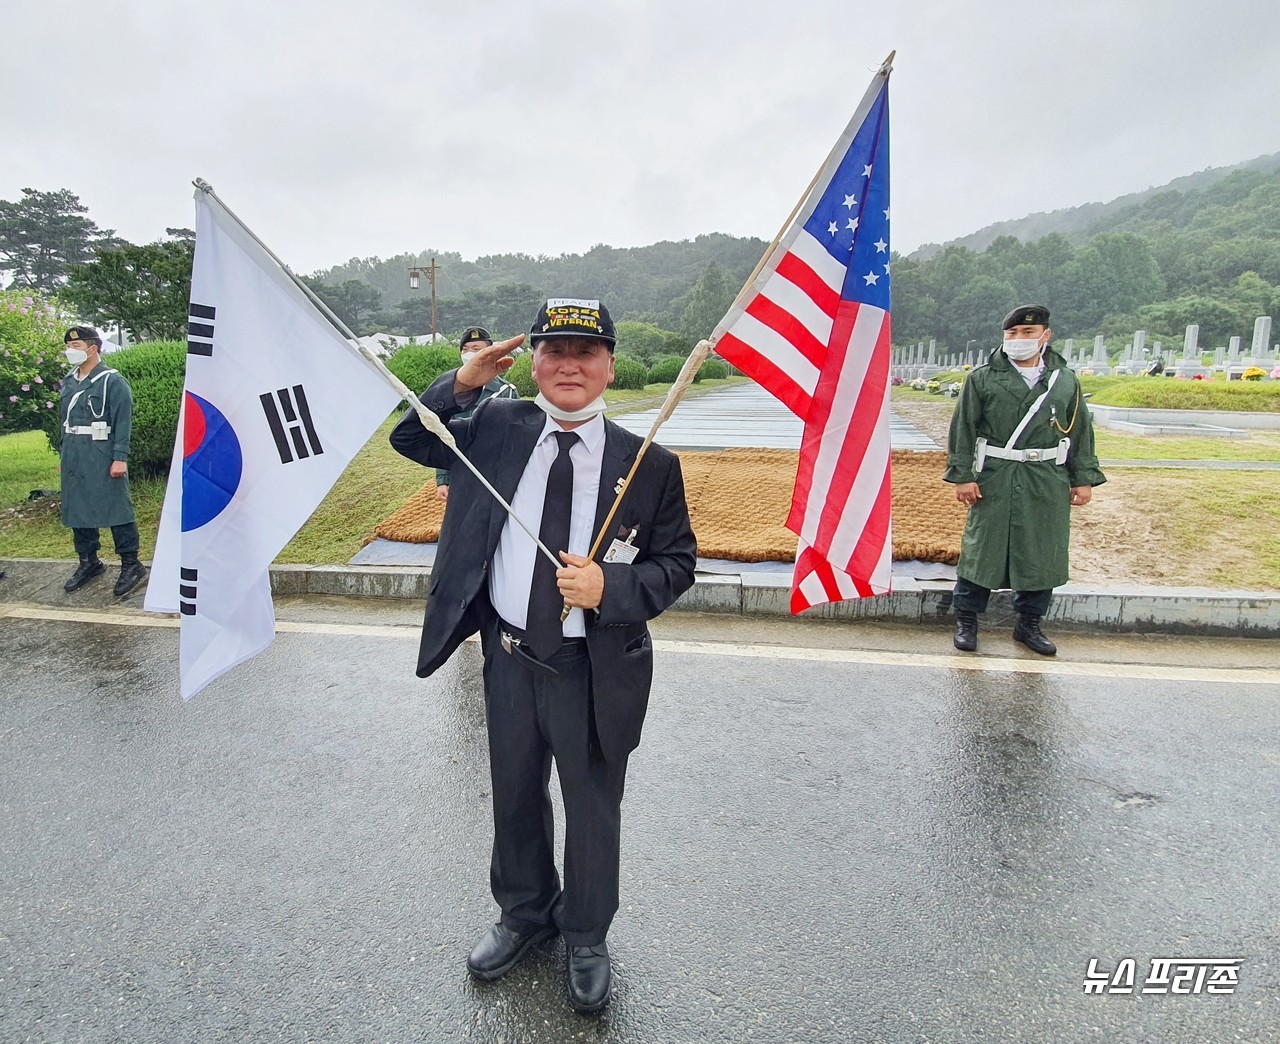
(499, 438)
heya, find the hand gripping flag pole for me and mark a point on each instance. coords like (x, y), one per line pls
(687, 373)
(429, 420)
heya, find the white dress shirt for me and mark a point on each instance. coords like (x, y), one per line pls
(512, 575)
(1030, 374)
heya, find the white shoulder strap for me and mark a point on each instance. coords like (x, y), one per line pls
(1035, 406)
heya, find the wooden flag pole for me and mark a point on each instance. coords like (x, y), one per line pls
(429, 420)
(687, 373)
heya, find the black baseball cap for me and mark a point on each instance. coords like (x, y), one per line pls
(574, 317)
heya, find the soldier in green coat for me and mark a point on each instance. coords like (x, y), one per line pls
(97, 421)
(473, 339)
(1021, 455)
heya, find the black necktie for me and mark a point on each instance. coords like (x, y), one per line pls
(543, 631)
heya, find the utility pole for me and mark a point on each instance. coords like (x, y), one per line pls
(429, 271)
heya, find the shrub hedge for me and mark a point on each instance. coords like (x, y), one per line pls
(1169, 393)
(713, 369)
(521, 375)
(667, 369)
(31, 360)
(629, 373)
(420, 364)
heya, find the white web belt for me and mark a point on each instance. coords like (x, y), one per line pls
(1054, 454)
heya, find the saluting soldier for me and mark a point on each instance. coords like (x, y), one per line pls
(473, 339)
(1021, 455)
(97, 421)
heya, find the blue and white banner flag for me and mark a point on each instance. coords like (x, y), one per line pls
(276, 404)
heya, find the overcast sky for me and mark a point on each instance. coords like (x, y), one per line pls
(374, 127)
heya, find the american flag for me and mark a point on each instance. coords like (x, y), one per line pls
(813, 330)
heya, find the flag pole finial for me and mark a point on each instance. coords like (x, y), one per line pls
(886, 66)
(203, 186)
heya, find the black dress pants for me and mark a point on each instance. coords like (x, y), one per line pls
(972, 598)
(533, 716)
(124, 536)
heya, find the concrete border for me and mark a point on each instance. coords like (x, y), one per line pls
(1076, 607)
(1107, 415)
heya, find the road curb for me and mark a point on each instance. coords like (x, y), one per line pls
(1116, 609)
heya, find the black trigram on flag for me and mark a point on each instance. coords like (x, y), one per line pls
(200, 329)
(187, 592)
(290, 420)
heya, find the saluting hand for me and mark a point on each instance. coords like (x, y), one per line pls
(486, 364)
(581, 582)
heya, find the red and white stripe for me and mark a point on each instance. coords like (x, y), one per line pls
(827, 360)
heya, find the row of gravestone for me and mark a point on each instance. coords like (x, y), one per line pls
(918, 361)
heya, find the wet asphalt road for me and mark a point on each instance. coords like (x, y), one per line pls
(813, 850)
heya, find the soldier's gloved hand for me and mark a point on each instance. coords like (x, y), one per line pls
(486, 364)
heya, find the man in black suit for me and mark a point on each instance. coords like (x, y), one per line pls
(576, 691)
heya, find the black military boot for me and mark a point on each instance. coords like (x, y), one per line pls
(131, 573)
(1029, 634)
(966, 639)
(88, 568)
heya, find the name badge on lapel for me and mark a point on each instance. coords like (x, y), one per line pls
(622, 551)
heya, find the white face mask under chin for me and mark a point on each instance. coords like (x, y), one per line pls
(1020, 350)
(586, 413)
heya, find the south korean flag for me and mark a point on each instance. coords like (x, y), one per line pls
(276, 404)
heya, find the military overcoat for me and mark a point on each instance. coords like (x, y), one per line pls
(1017, 535)
(91, 498)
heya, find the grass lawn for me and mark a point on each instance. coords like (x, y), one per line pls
(1229, 520)
(26, 463)
(1114, 445)
(377, 482)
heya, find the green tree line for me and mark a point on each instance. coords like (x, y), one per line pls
(1207, 253)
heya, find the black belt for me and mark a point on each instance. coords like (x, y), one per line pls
(512, 640)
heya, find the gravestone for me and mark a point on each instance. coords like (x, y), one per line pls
(933, 352)
(1233, 349)
(1261, 337)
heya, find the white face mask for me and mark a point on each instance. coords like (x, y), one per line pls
(586, 413)
(469, 355)
(1022, 349)
(77, 356)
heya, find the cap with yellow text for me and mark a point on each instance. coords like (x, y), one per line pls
(574, 317)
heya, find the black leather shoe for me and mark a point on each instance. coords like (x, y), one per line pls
(89, 567)
(1029, 634)
(502, 948)
(589, 975)
(131, 573)
(966, 639)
